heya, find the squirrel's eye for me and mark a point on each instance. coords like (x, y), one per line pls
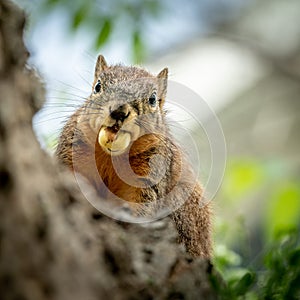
(97, 87)
(152, 99)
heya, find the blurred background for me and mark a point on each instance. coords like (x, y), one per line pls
(241, 56)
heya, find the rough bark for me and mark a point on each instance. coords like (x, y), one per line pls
(53, 244)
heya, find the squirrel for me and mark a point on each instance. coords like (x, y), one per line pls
(124, 119)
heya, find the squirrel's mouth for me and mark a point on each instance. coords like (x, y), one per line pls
(114, 140)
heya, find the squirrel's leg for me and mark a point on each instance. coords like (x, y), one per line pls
(193, 222)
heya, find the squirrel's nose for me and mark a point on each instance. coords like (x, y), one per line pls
(120, 114)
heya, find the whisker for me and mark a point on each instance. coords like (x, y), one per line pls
(82, 97)
(52, 119)
(62, 103)
(58, 113)
(67, 99)
(89, 56)
(44, 120)
(88, 83)
(70, 86)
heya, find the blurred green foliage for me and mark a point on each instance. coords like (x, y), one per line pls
(283, 208)
(265, 187)
(242, 176)
(278, 278)
(103, 19)
(276, 199)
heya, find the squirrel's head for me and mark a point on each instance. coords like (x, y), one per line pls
(126, 103)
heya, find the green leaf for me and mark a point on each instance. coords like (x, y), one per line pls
(242, 286)
(224, 257)
(80, 16)
(104, 33)
(51, 2)
(138, 48)
(283, 208)
(154, 7)
(293, 291)
(243, 176)
(294, 258)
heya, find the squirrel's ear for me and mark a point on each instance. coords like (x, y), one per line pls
(162, 83)
(101, 65)
(163, 74)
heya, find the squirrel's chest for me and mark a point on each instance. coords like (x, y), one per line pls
(132, 178)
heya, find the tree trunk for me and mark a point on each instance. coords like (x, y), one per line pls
(53, 244)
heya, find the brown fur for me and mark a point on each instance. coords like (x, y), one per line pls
(78, 143)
